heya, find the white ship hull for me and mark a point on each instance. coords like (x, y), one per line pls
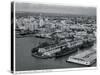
(84, 58)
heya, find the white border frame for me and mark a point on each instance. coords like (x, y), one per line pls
(14, 66)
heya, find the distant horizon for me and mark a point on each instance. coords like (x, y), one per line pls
(51, 9)
(51, 14)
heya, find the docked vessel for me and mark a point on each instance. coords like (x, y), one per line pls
(87, 57)
(56, 50)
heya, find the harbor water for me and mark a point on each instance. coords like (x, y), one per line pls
(25, 61)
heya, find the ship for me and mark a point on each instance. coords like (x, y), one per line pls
(46, 50)
(87, 57)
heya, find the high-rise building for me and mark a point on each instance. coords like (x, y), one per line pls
(41, 21)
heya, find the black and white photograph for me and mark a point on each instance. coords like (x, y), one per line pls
(47, 37)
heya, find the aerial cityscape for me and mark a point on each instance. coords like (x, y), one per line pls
(54, 40)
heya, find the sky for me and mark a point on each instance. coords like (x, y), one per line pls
(44, 8)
